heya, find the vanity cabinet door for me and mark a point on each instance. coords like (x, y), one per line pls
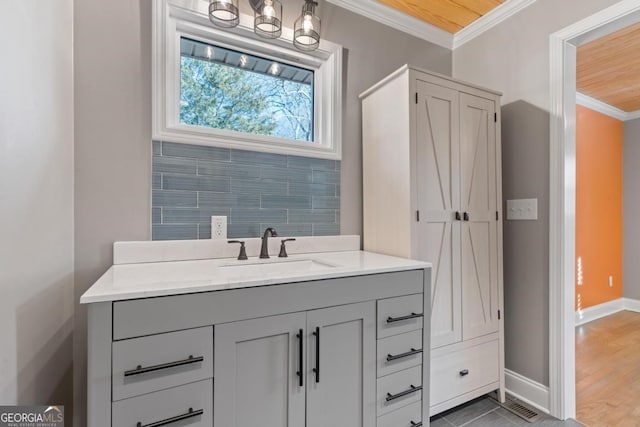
(341, 371)
(256, 372)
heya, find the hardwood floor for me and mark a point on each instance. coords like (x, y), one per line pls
(608, 371)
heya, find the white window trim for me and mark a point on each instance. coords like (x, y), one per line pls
(189, 18)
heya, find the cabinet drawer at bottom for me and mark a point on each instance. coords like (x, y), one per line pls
(188, 405)
(399, 389)
(459, 372)
(409, 416)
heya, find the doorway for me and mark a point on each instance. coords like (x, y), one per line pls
(562, 234)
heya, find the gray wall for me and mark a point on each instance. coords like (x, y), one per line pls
(113, 127)
(513, 57)
(631, 209)
(36, 203)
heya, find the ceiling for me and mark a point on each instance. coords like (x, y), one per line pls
(608, 69)
(449, 15)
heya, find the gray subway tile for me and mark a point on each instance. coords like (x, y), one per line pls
(237, 231)
(337, 190)
(285, 202)
(174, 198)
(326, 177)
(326, 229)
(156, 181)
(249, 186)
(311, 163)
(228, 200)
(312, 189)
(325, 202)
(193, 182)
(286, 174)
(191, 215)
(174, 231)
(204, 231)
(258, 158)
(156, 148)
(338, 165)
(258, 215)
(156, 215)
(174, 165)
(337, 217)
(289, 230)
(314, 216)
(230, 169)
(202, 152)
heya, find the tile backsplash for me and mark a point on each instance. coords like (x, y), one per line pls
(299, 196)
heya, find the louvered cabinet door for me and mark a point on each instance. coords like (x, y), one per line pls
(438, 194)
(479, 237)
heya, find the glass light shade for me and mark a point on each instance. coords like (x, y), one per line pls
(224, 13)
(267, 21)
(306, 29)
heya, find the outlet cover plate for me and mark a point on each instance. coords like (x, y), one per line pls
(219, 227)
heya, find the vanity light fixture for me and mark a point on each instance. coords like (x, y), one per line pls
(306, 29)
(224, 13)
(267, 22)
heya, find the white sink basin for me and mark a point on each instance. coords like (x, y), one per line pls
(274, 267)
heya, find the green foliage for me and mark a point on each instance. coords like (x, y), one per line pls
(224, 97)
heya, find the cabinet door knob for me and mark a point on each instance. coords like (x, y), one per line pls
(464, 372)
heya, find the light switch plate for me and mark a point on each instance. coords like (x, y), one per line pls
(522, 209)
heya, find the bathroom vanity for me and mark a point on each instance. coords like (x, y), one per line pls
(316, 339)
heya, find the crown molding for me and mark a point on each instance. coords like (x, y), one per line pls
(490, 20)
(604, 108)
(395, 19)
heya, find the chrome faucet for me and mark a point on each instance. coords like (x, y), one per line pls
(264, 251)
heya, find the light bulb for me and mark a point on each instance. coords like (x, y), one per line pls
(209, 52)
(307, 24)
(268, 10)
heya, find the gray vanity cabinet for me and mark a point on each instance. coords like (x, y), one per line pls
(339, 352)
(265, 367)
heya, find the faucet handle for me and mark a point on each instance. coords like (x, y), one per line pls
(283, 248)
(243, 252)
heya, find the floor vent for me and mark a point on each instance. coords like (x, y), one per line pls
(520, 410)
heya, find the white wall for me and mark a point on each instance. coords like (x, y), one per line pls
(513, 57)
(36, 202)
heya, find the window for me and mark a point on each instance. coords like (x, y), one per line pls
(227, 88)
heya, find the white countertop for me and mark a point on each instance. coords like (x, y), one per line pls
(144, 280)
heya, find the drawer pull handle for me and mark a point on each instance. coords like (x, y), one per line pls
(464, 372)
(410, 390)
(414, 424)
(413, 351)
(175, 419)
(140, 370)
(400, 319)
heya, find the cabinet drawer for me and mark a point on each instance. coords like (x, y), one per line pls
(403, 417)
(146, 364)
(179, 406)
(399, 315)
(400, 389)
(453, 374)
(399, 352)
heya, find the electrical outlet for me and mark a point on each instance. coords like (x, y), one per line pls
(611, 281)
(218, 227)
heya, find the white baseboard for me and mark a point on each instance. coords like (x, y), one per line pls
(527, 390)
(597, 311)
(606, 309)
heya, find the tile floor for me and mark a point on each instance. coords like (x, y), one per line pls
(485, 412)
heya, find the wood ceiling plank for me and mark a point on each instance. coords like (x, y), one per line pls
(449, 15)
(608, 68)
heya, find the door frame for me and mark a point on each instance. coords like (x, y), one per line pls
(562, 197)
